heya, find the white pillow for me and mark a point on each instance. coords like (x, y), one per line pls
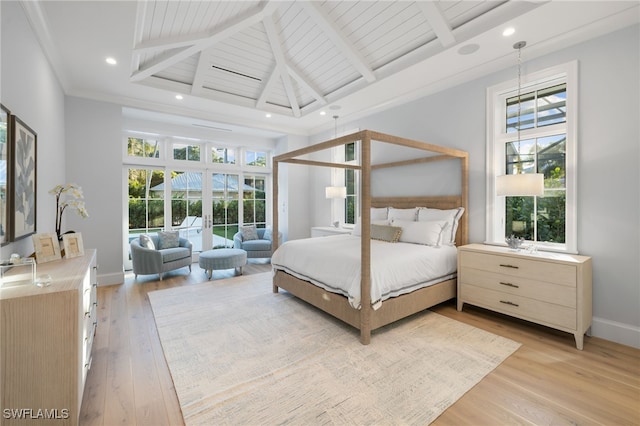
(452, 216)
(378, 213)
(402, 214)
(427, 233)
(357, 228)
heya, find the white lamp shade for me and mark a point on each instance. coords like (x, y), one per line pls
(335, 192)
(528, 184)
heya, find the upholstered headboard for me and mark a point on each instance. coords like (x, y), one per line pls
(444, 202)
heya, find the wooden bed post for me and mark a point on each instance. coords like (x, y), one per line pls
(365, 241)
(275, 241)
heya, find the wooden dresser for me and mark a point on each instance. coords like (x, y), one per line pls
(46, 337)
(552, 289)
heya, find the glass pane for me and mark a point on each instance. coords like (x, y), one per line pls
(350, 207)
(350, 151)
(551, 216)
(519, 213)
(146, 205)
(261, 211)
(248, 212)
(350, 181)
(186, 152)
(526, 115)
(552, 105)
(552, 160)
(137, 147)
(521, 157)
(223, 156)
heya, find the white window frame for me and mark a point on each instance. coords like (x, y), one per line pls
(497, 139)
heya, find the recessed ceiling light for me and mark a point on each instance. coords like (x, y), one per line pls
(509, 31)
(268, 115)
(323, 113)
(179, 97)
(111, 61)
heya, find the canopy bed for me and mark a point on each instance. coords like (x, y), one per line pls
(382, 311)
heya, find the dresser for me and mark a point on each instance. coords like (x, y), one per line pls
(325, 231)
(46, 338)
(552, 289)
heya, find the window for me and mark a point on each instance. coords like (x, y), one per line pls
(145, 148)
(545, 144)
(351, 202)
(254, 203)
(225, 198)
(146, 202)
(186, 152)
(223, 156)
(255, 158)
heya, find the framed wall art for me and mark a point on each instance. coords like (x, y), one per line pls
(5, 175)
(73, 246)
(23, 220)
(46, 247)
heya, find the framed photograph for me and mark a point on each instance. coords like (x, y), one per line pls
(23, 151)
(73, 246)
(46, 247)
(5, 175)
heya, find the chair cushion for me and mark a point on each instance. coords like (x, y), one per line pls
(168, 239)
(176, 253)
(258, 245)
(147, 242)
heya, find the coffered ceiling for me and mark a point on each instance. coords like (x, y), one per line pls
(301, 62)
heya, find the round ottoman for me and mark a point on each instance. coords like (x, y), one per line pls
(222, 259)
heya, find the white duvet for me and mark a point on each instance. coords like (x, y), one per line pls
(333, 263)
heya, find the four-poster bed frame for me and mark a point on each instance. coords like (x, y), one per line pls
(366, 318)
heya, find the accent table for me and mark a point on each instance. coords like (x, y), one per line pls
(551, 289)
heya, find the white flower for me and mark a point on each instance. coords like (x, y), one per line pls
(76, 202)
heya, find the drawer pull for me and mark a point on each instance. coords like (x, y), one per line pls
(504, 265)
(506, 302)
(510, 285)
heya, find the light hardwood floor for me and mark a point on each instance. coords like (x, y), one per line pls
(546, 381)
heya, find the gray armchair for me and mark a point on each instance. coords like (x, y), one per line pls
(153, 261)
(256, 249)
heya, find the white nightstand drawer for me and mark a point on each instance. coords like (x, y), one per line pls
(524, 287)
(521, 266)
(522, 307)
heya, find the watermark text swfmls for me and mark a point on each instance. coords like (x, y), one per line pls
(36, 413)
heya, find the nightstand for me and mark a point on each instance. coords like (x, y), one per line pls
(551, 289)
(325, 231)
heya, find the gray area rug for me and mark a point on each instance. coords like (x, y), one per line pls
(240, 354)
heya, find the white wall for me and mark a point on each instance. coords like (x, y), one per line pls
(94, 161)
(608, 156)
(32, 92)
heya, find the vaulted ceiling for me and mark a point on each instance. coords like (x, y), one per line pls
(237, 61)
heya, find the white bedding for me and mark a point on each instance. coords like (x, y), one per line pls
(333, 263)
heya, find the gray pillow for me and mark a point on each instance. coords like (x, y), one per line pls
(168, 239)
(387, 233)
(249, 233)
(146, 242)
(267, 234)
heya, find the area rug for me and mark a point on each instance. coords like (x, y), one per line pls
(242, 355)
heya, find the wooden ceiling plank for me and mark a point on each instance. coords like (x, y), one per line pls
(278, 54)
(262, 99)
(308, 86)
(234, 26)
(438, 22)
(335, 34)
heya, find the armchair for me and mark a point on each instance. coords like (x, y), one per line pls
(158, 261)
(260, 248)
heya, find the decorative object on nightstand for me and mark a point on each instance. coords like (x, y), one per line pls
(551, 289)
(75, 202)
(514, 242)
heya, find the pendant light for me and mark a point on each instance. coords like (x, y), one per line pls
(521, 184)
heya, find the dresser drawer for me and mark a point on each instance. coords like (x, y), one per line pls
(522, 307)
(520, 286)
(556, 273)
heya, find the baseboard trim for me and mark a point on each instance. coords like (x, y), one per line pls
(111, 279)
(616, 332)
